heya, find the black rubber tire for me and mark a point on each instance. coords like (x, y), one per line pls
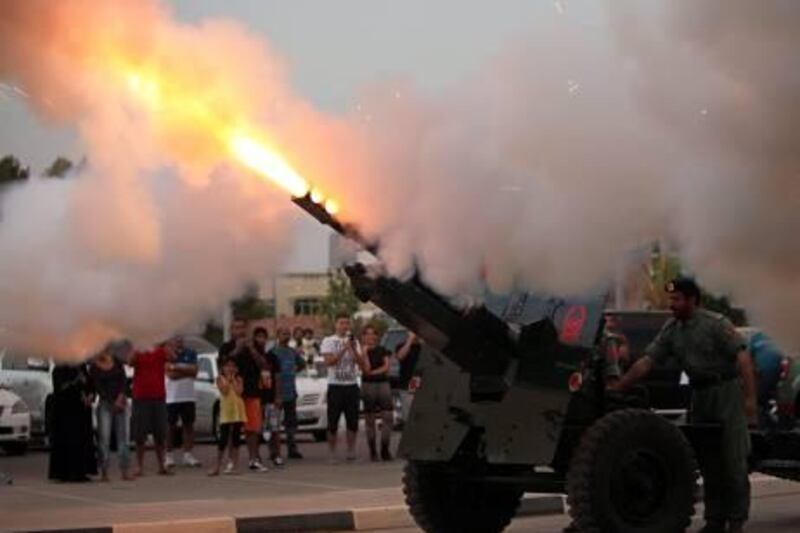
(442, 503)
(320, 435)
(15, 448)
(633, 472)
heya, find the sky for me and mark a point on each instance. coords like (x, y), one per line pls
(333, 50)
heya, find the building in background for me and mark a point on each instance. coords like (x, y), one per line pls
(295, 299)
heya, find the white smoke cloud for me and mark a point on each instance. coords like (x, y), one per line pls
(157, 232)
(721, 77)
(82, 265)
(585, 139)
(543, 169)
(666, 119)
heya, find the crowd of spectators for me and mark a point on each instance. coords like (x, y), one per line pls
(257, 386)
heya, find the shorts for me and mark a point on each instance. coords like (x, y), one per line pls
(377, 396)
(149, 417)
(231, 432)
(255, 415)
(343, 399)
(185, 411)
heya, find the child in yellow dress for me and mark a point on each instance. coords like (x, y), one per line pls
(232, 416)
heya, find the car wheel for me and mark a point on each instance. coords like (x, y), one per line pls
(15, 448)
(633, 472)
(441, 502)
(320, 435)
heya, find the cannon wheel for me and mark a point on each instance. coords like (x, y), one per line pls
(442, 503)
(633, 472)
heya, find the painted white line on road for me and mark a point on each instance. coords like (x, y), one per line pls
(71, 497)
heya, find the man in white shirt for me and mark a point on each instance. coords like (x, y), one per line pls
(343, 356)
(181, 374)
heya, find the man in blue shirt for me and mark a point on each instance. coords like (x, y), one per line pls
(286, 363)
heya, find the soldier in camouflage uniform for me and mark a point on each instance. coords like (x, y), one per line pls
(714, 356)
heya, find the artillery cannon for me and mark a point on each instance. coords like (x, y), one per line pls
(513, 400)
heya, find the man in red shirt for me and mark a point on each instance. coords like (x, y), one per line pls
(150, 402)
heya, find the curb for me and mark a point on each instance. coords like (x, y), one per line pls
(369, 518)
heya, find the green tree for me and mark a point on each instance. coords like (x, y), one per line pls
(59, 168)
(214, 333)
(723, 306)
(340, 298)
(378, 322)
(251, 306)
(664, 267)
(12, 171)
(661, 268)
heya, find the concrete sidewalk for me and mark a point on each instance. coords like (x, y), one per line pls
(306, 495)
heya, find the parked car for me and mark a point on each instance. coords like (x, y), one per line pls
(312, 387)
(206, 396)
(15, 423)
(199, 345)
(312, 403)
(28, 376)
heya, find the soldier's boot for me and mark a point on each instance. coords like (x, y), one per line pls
(373, 450)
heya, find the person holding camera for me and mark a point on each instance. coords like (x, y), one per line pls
(343, 356)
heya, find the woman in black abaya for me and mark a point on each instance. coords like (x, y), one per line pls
(72, 450)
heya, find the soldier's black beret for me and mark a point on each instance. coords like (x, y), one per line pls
(686, 286)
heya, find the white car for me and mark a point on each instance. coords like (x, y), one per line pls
(206, 396)
(29, 378)
(15, 423)
(312, 405)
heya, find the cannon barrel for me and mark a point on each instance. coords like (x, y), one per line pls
(475, 339)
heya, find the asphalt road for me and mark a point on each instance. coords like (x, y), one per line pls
(775, 509)
(308, 485)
